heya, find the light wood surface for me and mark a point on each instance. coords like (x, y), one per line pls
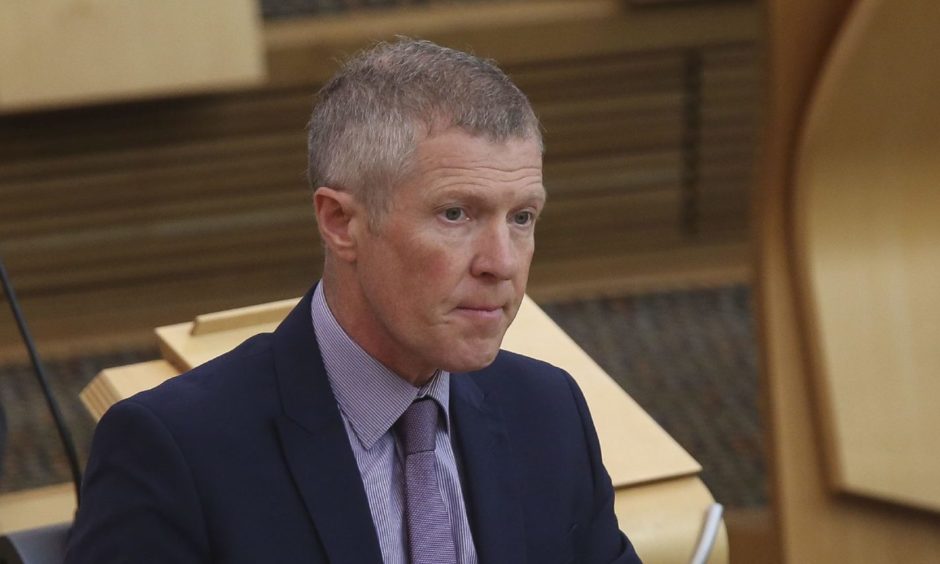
(241, 317)
(67, 52)
(813, 524)
(664, 520)
(868, 236)
(38, 507)
(114, 384)
(636, 449)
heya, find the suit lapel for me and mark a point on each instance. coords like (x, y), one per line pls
(316, 446)
(493, 503)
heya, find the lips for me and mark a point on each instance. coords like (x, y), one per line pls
(480, 313)
(481, 307)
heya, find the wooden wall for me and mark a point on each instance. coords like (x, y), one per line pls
(812, 44)
(117, 218)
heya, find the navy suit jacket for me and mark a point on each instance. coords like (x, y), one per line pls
(246, 459)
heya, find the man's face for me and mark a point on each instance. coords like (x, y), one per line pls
(443, 275)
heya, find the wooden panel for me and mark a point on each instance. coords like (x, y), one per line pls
(814, 525)
(613, 410)
(29, 509)
(117, 383)
(868, 231)
(665, 519)
(204, 197)
(598, 273)
(302, 50)
(66, 52)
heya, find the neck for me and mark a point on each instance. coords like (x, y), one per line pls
(350, 309)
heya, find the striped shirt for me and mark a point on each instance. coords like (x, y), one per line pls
(371, 398)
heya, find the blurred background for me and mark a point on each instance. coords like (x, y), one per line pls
(137, 195)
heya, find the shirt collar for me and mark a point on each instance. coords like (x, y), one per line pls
(370, 396)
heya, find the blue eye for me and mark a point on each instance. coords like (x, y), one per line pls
(523, 218)
(454, 214)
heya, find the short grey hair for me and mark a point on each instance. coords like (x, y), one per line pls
(375, 110)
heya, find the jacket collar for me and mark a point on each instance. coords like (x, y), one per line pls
(321, 461)
(491, 480)
(316, 445)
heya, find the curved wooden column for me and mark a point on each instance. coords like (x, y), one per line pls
(867, 236)
(815, 523)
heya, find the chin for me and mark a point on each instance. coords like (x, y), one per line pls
(470, 361)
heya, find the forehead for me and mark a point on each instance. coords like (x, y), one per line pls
(454, 157)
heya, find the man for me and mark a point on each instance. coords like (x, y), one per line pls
(380, 422)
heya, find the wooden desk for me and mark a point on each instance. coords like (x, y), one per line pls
(37, 507)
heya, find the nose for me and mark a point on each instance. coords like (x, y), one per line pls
(497, 254)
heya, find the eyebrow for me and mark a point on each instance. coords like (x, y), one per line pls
(474, 194)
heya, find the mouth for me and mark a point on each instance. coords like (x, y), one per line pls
(480, 312)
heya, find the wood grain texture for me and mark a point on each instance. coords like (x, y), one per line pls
(663, 520)
(60, 53)
(28, 509)
(868, 236)
(813, 524)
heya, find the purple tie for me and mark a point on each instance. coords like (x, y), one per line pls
(429, 534)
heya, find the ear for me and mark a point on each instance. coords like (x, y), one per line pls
(339, 216)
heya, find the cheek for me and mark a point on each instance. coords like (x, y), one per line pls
(439, 266)
(433, 264)
(526, 251)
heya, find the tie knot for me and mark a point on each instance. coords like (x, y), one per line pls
(417, 425)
